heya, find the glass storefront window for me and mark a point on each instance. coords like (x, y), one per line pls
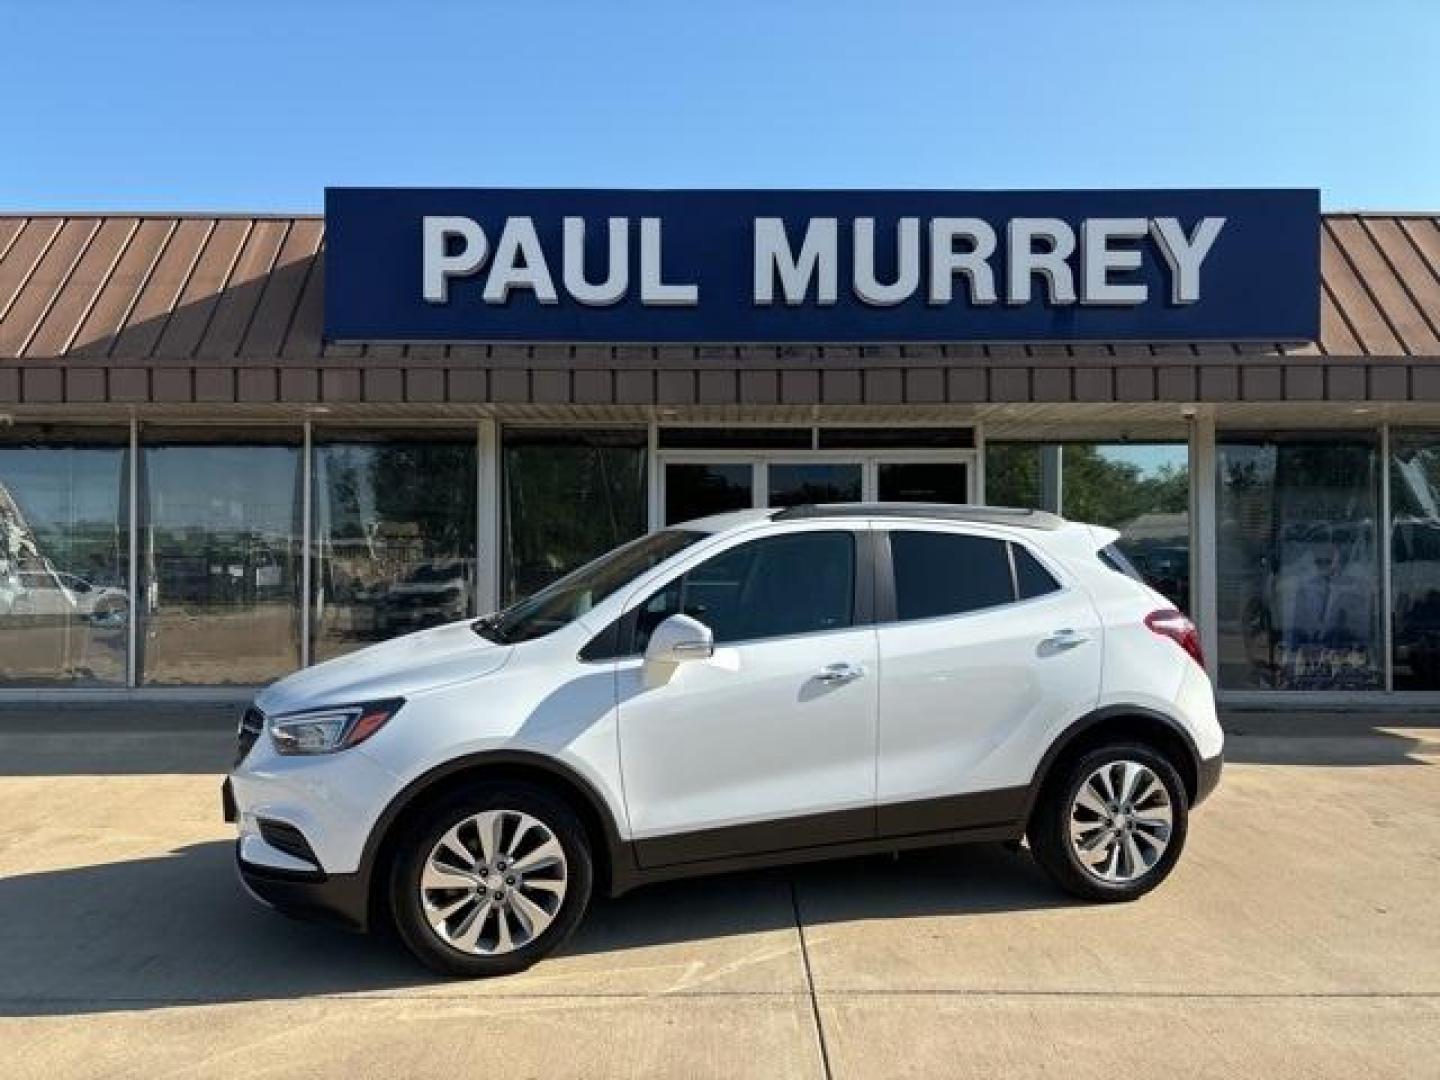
(922, 481)
(796, 485)
(394, 521)
(220, 556)
(1012, 474)
(569, 494)
(695, 491)
(1415, 558)
(64, 557)
(1298, 563)
(1143, 490)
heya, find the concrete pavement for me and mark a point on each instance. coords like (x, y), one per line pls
(1299, 937)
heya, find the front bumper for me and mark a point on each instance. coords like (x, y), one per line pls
(343, 899)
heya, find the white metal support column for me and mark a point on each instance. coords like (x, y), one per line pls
(655, 511)
(132, 644)
(1052, 478)
(487, 516)
(1204, 535)
(307, 543)
(1387, 584)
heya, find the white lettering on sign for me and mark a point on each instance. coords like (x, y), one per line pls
(1185, 254)
(654, 292)
(974, 262)
(617, 276)
(819, 258)
(907, 263)
(1036, 249)
(1098, 259)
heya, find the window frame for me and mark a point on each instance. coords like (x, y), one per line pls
(886, 599)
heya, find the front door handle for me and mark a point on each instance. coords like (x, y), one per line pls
(835, 674)
(1065, 639)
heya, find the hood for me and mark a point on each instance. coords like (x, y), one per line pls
(400, 667)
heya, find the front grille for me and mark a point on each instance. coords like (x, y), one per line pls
(283, 836)
(251, 724)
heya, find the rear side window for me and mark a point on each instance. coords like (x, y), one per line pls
(940, 573)
(1031, 579)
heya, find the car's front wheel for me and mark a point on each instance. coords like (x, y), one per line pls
(1110, 826)
(488, 881)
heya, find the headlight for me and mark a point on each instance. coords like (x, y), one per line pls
(324, 731)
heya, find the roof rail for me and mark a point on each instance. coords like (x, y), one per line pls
(978, 515)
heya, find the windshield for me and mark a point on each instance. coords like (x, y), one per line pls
(563, 601)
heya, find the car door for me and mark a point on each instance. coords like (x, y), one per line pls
(984, 649)
(768, 744)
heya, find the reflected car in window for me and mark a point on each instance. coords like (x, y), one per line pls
(432, 593)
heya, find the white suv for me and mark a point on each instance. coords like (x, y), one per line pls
(753, 688)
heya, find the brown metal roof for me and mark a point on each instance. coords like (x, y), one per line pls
(219, 308)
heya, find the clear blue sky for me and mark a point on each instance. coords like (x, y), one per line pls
(254, 105)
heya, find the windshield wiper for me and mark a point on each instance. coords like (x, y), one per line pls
(490, 630)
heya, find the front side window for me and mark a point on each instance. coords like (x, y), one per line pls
(939, 573)
(574, 595)
(798, 583)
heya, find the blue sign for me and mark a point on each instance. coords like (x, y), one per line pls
(439, 264)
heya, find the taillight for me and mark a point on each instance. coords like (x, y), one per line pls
(1179, 629)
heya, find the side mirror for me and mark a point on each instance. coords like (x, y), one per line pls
(680, 638)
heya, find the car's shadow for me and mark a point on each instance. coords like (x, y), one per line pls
(175, 930)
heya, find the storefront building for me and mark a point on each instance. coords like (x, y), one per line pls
(216, 468)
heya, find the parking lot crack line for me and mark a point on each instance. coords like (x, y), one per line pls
(810, 984)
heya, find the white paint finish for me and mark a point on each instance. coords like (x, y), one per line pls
(963, 697)
(752, 733)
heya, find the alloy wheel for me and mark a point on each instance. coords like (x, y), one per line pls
(1121, 821)
(494, 882)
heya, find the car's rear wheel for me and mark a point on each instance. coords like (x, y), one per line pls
(1112, 823)
(488, 881)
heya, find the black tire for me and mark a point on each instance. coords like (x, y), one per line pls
(426, 830)
(1049, 828)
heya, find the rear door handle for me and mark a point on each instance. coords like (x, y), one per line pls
(1066, 639)
(835, 674)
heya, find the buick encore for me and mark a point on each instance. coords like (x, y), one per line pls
(754, 688)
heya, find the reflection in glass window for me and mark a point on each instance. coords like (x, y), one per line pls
(1143, 491)
(1415, 558)
(570, 494)
(797, 485)
(1012, 474)
(923, 481)
(64, 558)
(220, 558)
(696, 491)
(394, 527)
(1297, 563)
